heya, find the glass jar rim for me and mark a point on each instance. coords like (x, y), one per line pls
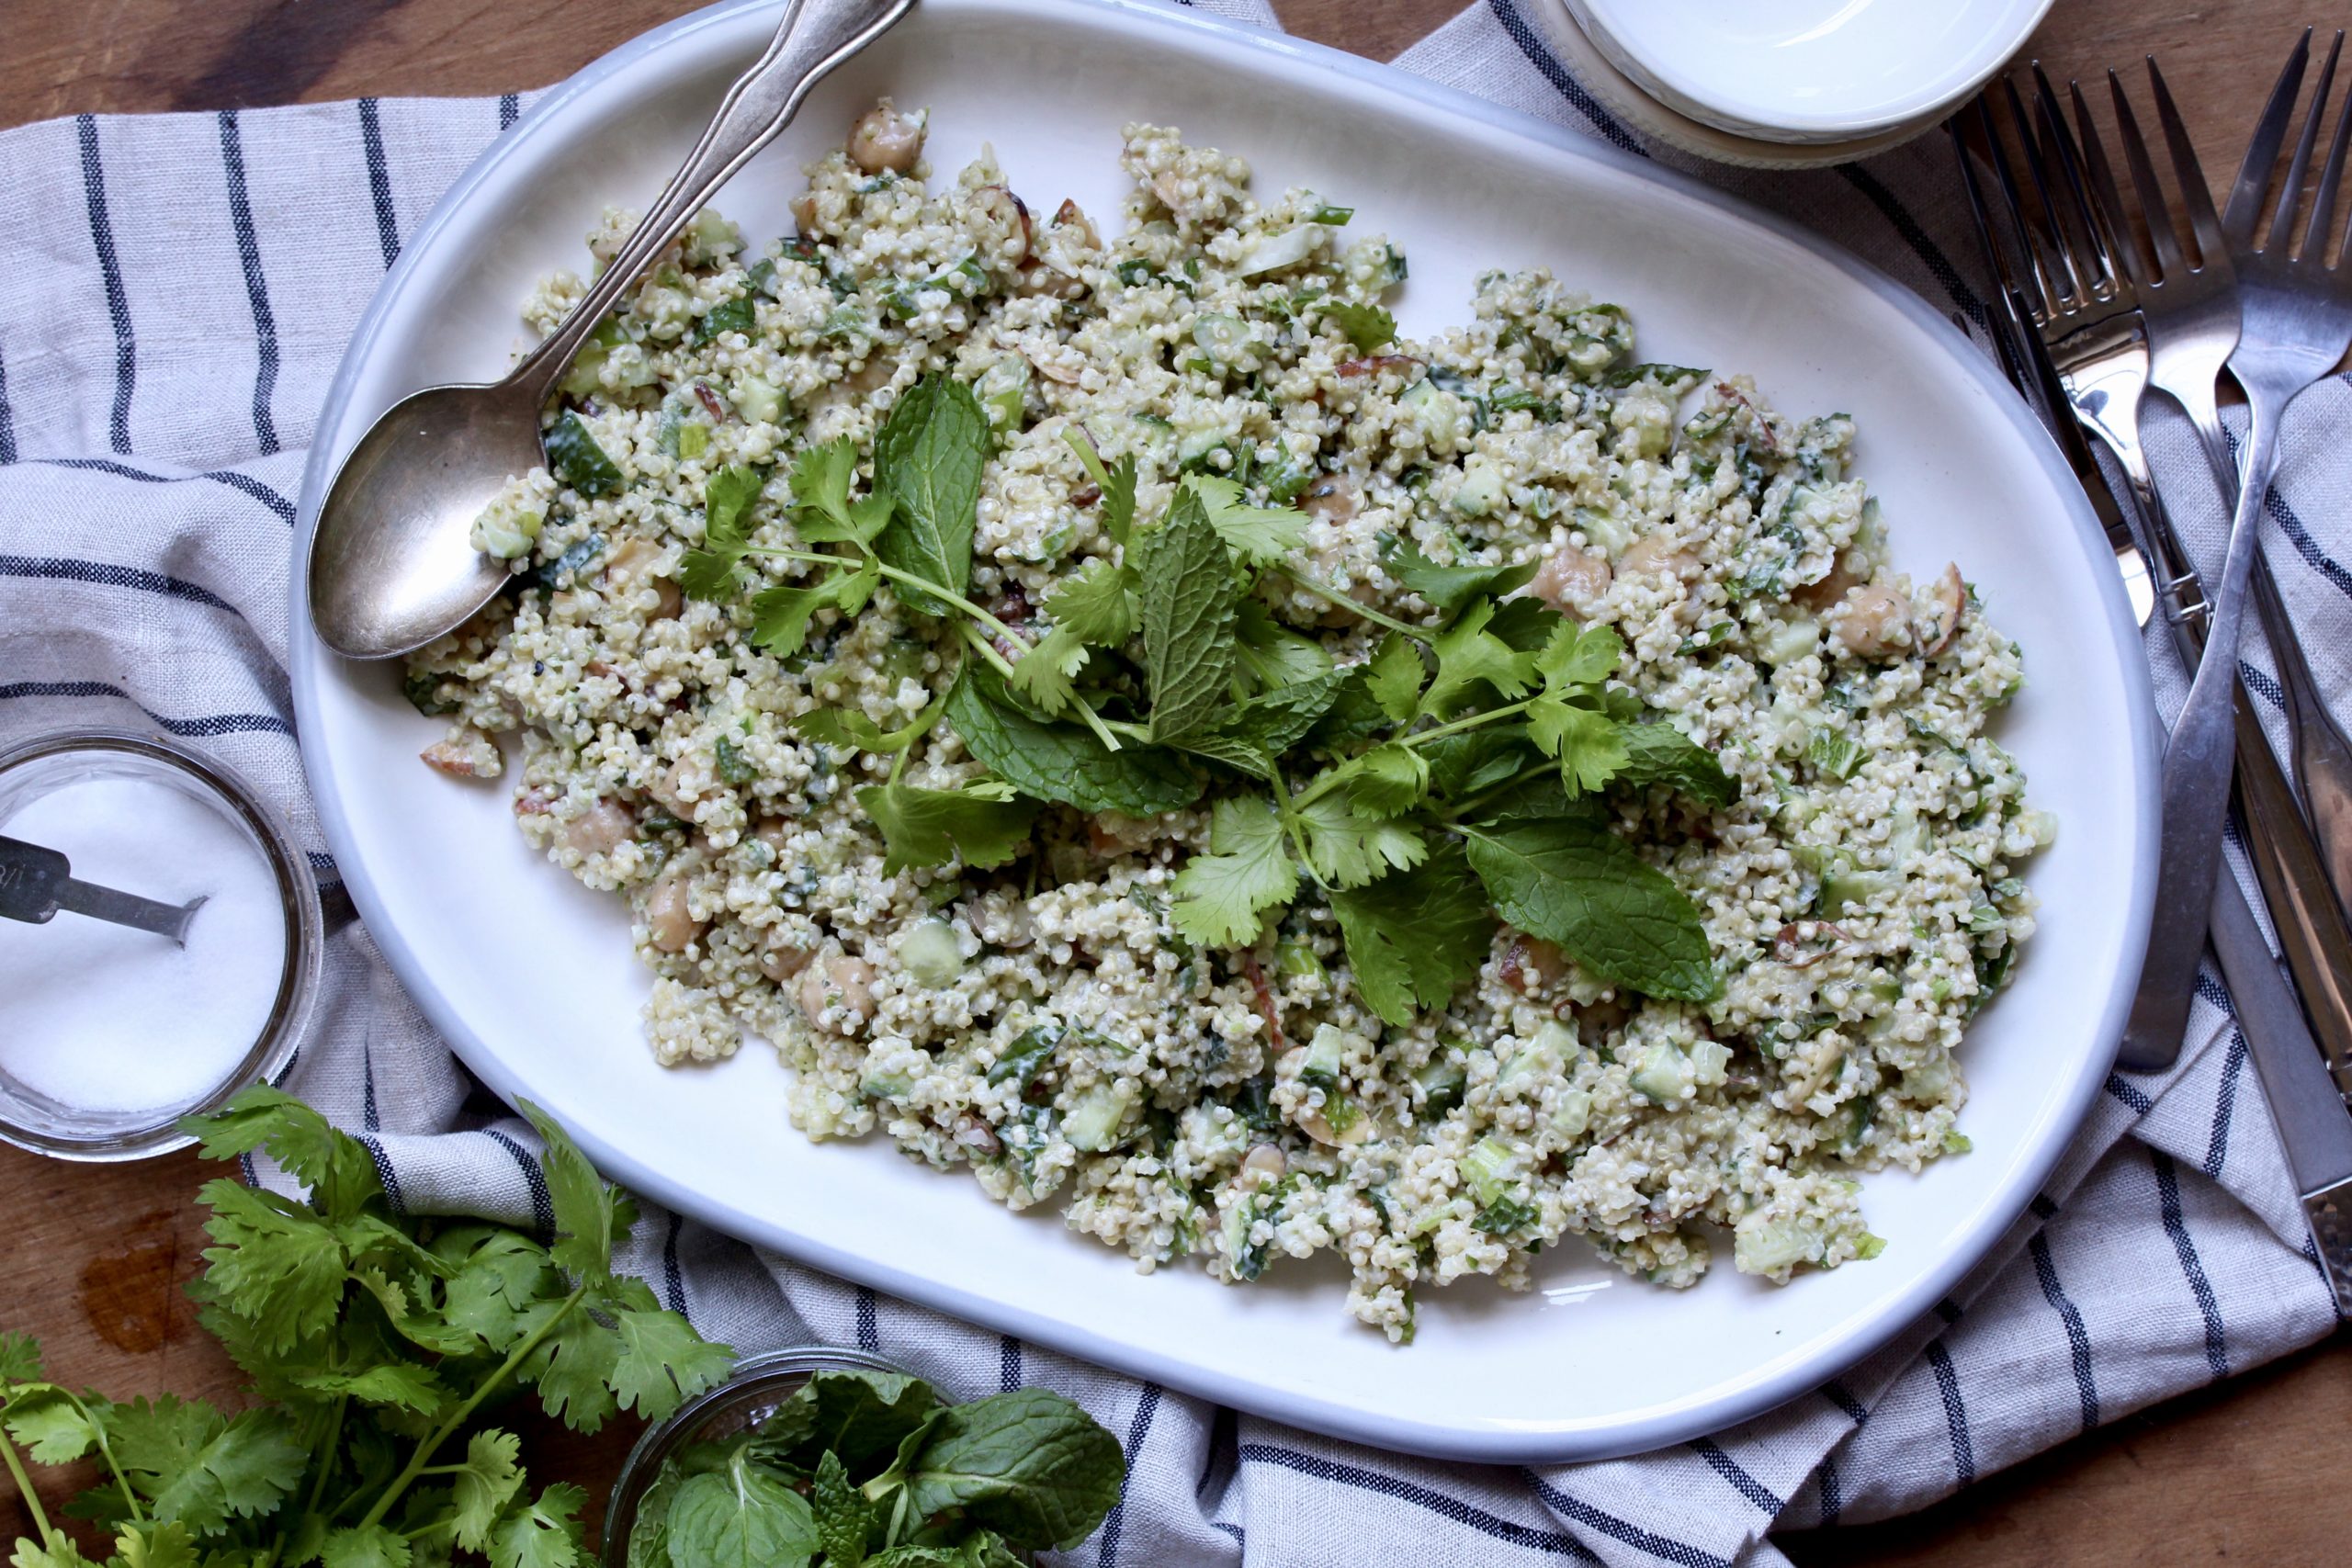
(298, 986)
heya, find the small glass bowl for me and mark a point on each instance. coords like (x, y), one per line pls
(759, 1385)
(34, 1121)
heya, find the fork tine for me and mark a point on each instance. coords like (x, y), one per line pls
(2091, 222)
(1973, 138)
(2290, 194)
(2051, 232)
(2262, 152)
(2316, 237)
(2196, 195)
(2169, 261)
(2052, 271)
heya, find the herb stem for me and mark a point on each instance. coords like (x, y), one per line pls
(456, 1418)
(106, 1449)
(326, 1450)
(49, 1535)
(1363, 611)
(1339, 775)
(1092, 720)
(908, 580)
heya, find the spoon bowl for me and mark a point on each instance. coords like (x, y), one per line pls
(392, 564)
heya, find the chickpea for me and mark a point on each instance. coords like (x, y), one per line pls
(1819, 596)
(1876, 621)
(1531, 965)
(1265, 1157)
(1572, 581)
(999, 223)
(773, 832)
(1653, 554)
(1331, 499)
(1952, 600)
(782, 963)
(837, 996)
(884, 138)
(602, 828)
(669, 923)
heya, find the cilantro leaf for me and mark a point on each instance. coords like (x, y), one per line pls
(1571, 881)
(1269, 654)
(1188, 614)
(1098, 606)
(663, 1363)
(1414, 936)
(50, 1426)
(1659, 753)
(164, 1545)
(1589, 745)
(819, 484)
(1349, 848)
(727, 497)
(929, 456)
(544, 1535)
(780, 616)
(1394, 677)
(1579, 656)
(336, 1169)
(852, 731)
(1467, 654)
(391, 1385)
(1366, 326)
(1220, 894)
(1062, 763)
(741, 1516)
(1044, 674)
(20, 1353)
(572, 1366)
(590, 1217)
(197, 1467)
(1027, 1464)
(1255, 534)
(279, 1265)
(485, 1483)
(1116, 482)
(709, 574)
(982, 824)
(365, 1546)
(1389, 781)
(1449, 588)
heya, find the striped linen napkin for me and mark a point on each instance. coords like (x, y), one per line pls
(175, 294)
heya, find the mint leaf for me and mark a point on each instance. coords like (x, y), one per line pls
(1589, 745)
(981, 825)
(1394, 677)
(1187, 589)
(1415, 936)
(856, 1415)
(1366, 326)
(1255, 534)
(1278, 719)
(1659, 753)
(1449, 588)
(1219, 896)
(575, 459)
(1475, 760)
(929, 456)
(843, 1517)
(1571, 881)
(741, 1516)
(1098, 606)
(1468, 654)
(1062, 763)
(1029, 1465)
(1349, 848)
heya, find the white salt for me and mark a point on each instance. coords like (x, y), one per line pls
(102, 1018)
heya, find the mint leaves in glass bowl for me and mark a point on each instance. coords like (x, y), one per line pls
(818, 1456)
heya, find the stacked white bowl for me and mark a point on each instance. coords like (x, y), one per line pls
(1787, 83)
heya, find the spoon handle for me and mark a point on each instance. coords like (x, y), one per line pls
(813, 37)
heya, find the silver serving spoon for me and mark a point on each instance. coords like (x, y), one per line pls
(393, 563)
(36, 882)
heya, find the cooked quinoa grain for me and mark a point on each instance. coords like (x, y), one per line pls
(1044, 1022)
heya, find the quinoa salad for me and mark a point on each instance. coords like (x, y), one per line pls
(1120, 720)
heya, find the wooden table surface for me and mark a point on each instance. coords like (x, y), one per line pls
(2249, 1471)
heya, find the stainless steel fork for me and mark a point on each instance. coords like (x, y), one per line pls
(2296, 323)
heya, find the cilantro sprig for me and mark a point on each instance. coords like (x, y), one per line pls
(374, 1338)
(1449, 779)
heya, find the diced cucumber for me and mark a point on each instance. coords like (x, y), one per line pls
(1708, 1059)
(1003, 391)
(1296, 961)
(1442, 1079)
(1603, 530)
(1661, 1073)
(931, 954)
(1481, 491)
(1092, 1123)
(1543, 1057)
(886, 1086)
(757, 400)
(1765, 1244)
(1321, 1067)
(587, 365)
(1292, 246)
(1225, 338)
(1435, 409)
(1491, 1168)
(1571, 1112)
(1796, 638)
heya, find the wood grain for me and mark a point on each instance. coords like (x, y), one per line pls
(2248, 1471)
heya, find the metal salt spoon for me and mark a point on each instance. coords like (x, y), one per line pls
(36, 882)
(392, 562)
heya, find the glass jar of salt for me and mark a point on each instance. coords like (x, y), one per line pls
(109, 1034)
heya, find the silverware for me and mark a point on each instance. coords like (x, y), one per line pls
(36, 882)
(2080, 396)
(2296, 323)
(393, 563)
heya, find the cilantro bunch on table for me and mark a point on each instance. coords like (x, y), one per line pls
(379, 1343)
(1461, 772)
(869, 1468)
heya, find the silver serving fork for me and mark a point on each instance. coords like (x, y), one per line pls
(2296, 323)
